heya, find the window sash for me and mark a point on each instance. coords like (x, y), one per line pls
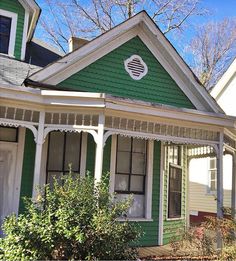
(133, 176)
(8, 134)
(62, 169)
(175, 191)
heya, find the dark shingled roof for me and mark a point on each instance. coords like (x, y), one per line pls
(38, 55)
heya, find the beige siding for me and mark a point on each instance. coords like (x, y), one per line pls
(199, 198)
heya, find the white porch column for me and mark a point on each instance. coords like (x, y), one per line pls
(38, 153)
(99, 149)
(233, 192)
(220, 186)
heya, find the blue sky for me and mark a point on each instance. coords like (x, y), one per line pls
(219, 9)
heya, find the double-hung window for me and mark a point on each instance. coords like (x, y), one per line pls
(175, 181)
(131, 168)
(212, 175)
(64, 152)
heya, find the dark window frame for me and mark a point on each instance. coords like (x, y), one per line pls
(17, 134)
(63, 171)
(129, 191)
(179, 171)
(7, 35)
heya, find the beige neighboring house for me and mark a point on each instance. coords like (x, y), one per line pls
(202, 171)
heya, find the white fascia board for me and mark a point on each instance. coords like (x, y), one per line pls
(52, 98)
(189, 115)
(47, 73)
(222, 84)
(34, 10)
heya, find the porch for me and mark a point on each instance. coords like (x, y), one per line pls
(103, 117)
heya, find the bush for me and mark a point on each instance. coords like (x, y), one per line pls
(72, 221)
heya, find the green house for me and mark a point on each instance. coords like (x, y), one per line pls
(123, 103)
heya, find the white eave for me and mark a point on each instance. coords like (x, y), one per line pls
(140, 25)
(34, 11)
(224, 81)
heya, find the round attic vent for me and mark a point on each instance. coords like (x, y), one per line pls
(136, 67)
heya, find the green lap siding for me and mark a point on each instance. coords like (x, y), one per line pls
(28, 168)
(171, 228)
(150, 228)
(108, 75)
(15, 7)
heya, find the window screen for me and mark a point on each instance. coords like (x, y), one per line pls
(8, 134)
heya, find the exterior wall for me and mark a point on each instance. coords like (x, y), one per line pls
(15, 7)
(199, 197)
(28, 168)
(171, 227)
(108, 75)
(227, 99)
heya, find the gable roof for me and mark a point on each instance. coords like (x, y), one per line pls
(224, 81)
(139, 25)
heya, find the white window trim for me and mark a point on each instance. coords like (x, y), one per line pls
(12, 41)
(149, 178)
(168, 175)
(24, 36)
(134, 56)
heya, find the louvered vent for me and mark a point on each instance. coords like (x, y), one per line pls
(136, 67)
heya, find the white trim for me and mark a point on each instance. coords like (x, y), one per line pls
(24, 35)
(12, 41)
(149, 180)
(224, 81)
(83, 154)
(129, 71)
(19, 165)
(113, 163)
(161, 195)
(135, 219)
(149, 177)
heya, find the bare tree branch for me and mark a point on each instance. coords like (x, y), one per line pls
(213, 48)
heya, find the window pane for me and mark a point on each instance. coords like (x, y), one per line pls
(213, 163)
(121, 182)
(52, 176)
(137, 183)
(138, 163)
(8, 134)
(174, 210)
(213, 174)
(72, 154)
(137, 209)
(139, 145)
(123, 162)
(213, 185)
(5, 27)
(124, 143)
(55, 157)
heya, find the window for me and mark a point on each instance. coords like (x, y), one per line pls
(175, 182)
(5, 30)
(212, 175)
(64, 150)
(8, 23)
(8, 134)
(130, 173)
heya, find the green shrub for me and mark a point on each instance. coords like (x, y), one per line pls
(72, 221)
